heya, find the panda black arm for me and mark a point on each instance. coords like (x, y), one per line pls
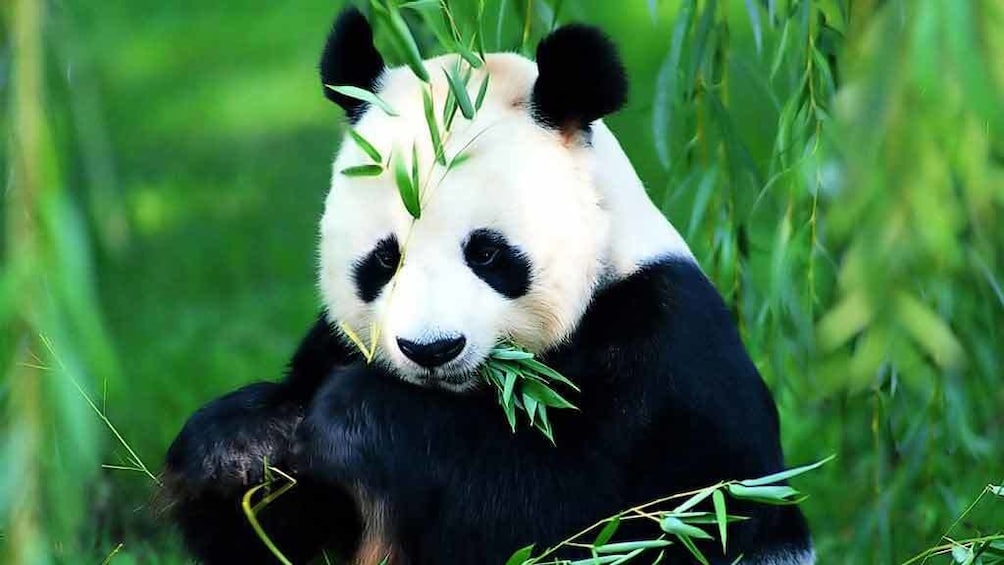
(221, 452)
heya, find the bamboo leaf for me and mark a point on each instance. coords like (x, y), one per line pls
(783, 475)
(460, 93)
(545, 395)
(366, 146)
(509, 388)
(371, 170)
(721, 516)
(765, 494)
(530, 405)
(430, 121)
(679, 528)
(482, 92)
(544, 423)
(692, 548)
(414, 167)
(472, 59)
(407, 190)
(406, 41)
(631, 545)
(510, 414)
(548, 372)
(608, 531)
(365, 96)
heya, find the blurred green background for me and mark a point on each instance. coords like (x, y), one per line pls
(837, 166)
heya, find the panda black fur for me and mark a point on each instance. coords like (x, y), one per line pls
(391, 462)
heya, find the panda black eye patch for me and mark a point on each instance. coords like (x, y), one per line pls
(374, 271)
(494, 260)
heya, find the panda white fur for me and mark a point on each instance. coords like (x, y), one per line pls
(543, 236)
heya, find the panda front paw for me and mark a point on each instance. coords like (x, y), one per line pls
(225, 446)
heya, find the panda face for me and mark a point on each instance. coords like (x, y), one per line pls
(509, 244)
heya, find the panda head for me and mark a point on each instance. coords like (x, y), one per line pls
(512, 243)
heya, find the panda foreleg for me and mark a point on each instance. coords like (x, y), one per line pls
(220, 454)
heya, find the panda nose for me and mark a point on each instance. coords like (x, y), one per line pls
(433, 353)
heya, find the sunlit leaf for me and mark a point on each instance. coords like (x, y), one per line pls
(405, 187)
(784, 475)
(406, 42)
(631, 545)
(677, 527)
(545, 395)
(764, 494)
(721, 517)
(365, 96)
(362, 171)
(482, 91)
(365, 145)
(460, 93)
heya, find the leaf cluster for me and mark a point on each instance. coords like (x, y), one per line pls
(524, 384)
(680, 524)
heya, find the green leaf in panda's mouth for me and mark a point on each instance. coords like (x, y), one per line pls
(524, 384)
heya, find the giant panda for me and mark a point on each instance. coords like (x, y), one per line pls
(544, 236)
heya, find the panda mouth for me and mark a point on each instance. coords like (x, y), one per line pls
(459, 375)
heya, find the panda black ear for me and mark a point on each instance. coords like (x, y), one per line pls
(581, 78)
(350, 59)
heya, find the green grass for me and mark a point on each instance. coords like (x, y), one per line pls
(852, 221)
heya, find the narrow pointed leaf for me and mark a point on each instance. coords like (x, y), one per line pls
(530, 404)
(509, 388)
(458, 160)
(510, 415)
(460, 93)
(544, 423)
(366, 146)
(408, 192)
(766, 494)
(608, 531)
(631, 545)
(689, 544)
(545, 395)
(509, 354)
(482, 92)
(414, 167)
(783, 475)
(679, 528)
(430, 120)
(365, 96)
(362, 170)
(468, 55)
(549, 373)
(695, 499)
(406, 42)
(721, 517)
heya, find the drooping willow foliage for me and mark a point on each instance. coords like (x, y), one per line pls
(836, 165)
